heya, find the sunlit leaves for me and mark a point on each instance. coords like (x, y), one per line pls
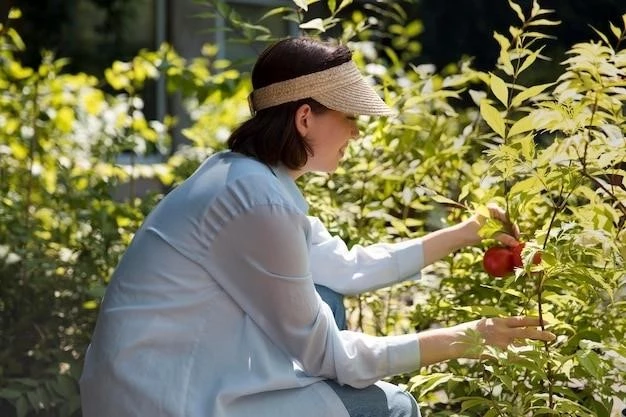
(499, 89)
(522, 125)
(316, 24)
(302, 4)
(528, 93)
(518, 10)
(493, 118)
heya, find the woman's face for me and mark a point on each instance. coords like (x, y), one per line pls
(327, 134)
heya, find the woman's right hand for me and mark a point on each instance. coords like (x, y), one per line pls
(502, 332)
(454, 342)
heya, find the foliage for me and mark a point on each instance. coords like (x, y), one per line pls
(552, 154)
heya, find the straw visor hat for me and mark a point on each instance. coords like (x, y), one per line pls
(341, 88)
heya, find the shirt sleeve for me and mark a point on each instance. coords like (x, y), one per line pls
(263, 258)
(362, 268)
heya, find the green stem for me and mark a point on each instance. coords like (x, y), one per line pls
(540, 283)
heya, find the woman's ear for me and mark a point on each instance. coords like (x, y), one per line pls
(302, 119)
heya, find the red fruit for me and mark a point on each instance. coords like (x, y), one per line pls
(498, 261)
(517, 256)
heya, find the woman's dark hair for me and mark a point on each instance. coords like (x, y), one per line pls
(271, 135)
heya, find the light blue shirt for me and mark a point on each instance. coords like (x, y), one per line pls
(212, 310)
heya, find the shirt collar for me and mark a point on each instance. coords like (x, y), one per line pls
(290, 186)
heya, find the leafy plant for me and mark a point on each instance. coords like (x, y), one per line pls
(551, 154)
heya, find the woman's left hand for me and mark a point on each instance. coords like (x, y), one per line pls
(510, 236)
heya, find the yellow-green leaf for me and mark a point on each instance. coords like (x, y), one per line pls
(116, 80)
(518, 10)
(528, 146)
(493, 118)
(303, 4)
(15, 13)
(19, 72)
(93, 101)
(316, 23)
(502, 41)
(19, 151)
(65, 119)
(616, 31)
(499, 89)
(530, 185)
(332, 5)
(344, 4)
(544, 22)
(530, 59)
(49, 177)
(522, 125)
(505, 62)
(528, 93)
(81, 183)
(445, 200)
(535, 9)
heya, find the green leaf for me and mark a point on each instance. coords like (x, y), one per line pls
(21, 407)
(486, 311)
(275, 11)
(518, 10)
(505, 63)
(530, 59)
(492, 412)
(499, 89)
(15, 13)
(302, 4)
(10, 394)
(534, 11)
(490, 229)
(502, 40)
(523, 125)
(445, 200)
(544, 22)
(344, 4)
(616, 31)
(474, 402)
(528, 93)
(528, 146)
(492, 117)
(317, 24)
(332, 5)
(591, 362)
(530, 185)
(429, 382)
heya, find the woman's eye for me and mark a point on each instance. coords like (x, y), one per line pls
(352, 117)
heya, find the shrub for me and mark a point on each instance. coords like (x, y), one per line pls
(552, 155)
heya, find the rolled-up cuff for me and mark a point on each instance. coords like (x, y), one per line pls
(409, 257)
(404, 353)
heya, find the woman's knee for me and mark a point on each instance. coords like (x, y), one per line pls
(400, 402)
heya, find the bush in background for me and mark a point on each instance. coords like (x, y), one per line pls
(552, 154)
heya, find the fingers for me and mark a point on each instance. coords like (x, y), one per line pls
(535, 334)
(522, 321)
(502, 332)
(524, 327)
(511, 238)
(506, 239)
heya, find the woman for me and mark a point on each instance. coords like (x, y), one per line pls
(212, 311)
